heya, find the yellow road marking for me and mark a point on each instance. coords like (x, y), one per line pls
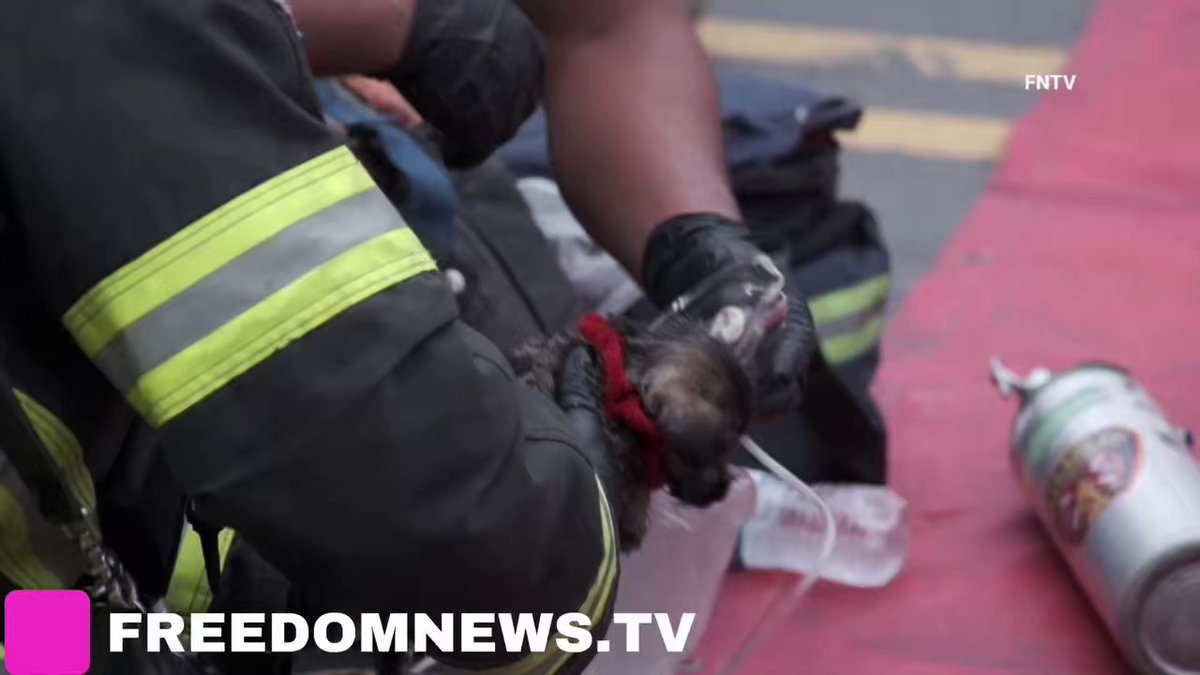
(929, 135)
(933, 57)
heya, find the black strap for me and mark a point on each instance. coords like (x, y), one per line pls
(210, 548)
(856, 440)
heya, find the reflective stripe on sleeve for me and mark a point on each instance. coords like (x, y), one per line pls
(850, 321)
(594, 606)
(845, 348)
(18, 561)
(188, 590)
(228, 291)
(34, 555)
(63, 446)
(831, 307)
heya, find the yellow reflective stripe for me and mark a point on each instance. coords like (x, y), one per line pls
(211, 243)
(63, 446)
(850, 301)
(297, 309)
(845, 348)
(18, 562)
(602, 591)
(188, 591)
(553, 659)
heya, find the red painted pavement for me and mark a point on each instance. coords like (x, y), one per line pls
(1086, 246)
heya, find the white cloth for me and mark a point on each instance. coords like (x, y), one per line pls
(600, 280)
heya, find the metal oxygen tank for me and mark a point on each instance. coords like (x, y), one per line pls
(1118, 489)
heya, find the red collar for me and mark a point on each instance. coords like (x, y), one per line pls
(622, 401)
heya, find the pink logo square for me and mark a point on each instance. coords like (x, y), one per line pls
(47, 632)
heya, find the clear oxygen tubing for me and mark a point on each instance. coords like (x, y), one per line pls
(742, 325)
(786, 605)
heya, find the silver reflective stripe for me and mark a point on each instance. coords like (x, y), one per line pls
(852, 323)
(243, 283)
(217, 298)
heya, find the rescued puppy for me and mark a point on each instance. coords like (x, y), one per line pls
(691, 388)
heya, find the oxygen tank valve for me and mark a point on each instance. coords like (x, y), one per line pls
(1009, 383)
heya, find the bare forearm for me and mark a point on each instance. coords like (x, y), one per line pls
(634, 124)
(343, 37)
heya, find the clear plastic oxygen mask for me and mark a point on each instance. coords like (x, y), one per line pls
(743, 305)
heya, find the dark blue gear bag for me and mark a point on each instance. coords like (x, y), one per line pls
(783, 161)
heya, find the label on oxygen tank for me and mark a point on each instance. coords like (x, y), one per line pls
(1118, 488)
(1089, 477)
(1050, 429)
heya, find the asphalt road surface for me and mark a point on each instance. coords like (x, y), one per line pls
(943, 81)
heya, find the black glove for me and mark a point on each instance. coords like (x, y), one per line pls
(578, 394)
(473, 69)
(706, 267)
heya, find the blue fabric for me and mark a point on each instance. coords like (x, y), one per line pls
(765, 121)
(432, 198)
(528, 153)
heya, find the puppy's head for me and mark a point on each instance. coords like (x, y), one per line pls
(700, 398)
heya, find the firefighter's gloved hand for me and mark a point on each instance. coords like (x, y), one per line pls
(473, 69)
(578, 393)
(705, 267)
